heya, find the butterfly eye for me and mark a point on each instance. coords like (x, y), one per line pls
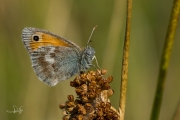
(36, 38)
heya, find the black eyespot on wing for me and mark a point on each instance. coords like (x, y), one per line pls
(36, 38)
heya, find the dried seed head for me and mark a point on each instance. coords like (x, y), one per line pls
(91, 95)
(88, 107)
(66, 117)
(110, 92)
(73, 84)
(79, 117)
(84, 87)
(93, 78)
(99, 77)
(103, 71)
(84, 99)
(77, 81)
(69, 104)
(79, 91)
(70, 98)
(89, 77)
(93, 73)
(70, 109)
(92, 101)
(110, 79)
(108, 105)
(62, 106)
(81, 109)
(100, 112)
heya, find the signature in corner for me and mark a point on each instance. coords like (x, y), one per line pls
(16, 110)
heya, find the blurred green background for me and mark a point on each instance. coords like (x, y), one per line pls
(74, 19)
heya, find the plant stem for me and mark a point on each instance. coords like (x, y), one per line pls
(124, 74)
(165, 59)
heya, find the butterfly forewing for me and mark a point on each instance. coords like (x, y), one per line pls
(53, 58)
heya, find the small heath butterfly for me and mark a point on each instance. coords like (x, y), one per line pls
(55, 58)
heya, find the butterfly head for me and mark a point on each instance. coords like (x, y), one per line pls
(87, 57)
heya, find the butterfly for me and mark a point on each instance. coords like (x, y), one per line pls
(55, 58)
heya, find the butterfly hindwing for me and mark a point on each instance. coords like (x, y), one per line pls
(53, 64)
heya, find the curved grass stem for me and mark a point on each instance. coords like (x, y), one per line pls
(165, 59)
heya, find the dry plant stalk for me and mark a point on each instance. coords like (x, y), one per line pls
(92, 101)
(125, 62)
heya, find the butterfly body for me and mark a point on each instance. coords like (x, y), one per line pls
(53, 57)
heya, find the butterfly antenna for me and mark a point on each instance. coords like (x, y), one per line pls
(91, 35)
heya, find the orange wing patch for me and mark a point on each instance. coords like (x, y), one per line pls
(46, 40)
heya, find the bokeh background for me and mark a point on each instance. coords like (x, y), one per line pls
(74, 19)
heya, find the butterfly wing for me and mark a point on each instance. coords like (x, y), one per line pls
(53, 58)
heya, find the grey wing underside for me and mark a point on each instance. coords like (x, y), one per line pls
(53, 64)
